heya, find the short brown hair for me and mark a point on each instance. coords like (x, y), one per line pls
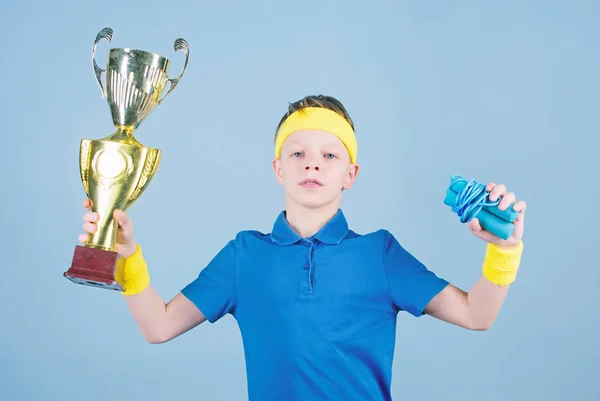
(326, 102)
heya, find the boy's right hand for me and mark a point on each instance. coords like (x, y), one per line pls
(126, 245)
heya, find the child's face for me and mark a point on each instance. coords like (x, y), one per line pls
(314, 155)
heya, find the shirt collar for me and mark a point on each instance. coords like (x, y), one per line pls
(333, 232)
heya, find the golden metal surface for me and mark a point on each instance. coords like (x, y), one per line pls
(116, 170)
(114, 175)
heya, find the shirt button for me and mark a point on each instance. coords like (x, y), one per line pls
(306, 266)
(307, 243)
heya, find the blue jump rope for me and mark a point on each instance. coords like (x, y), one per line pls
(469, 199)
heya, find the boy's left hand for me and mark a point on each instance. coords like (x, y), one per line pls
(499, 191)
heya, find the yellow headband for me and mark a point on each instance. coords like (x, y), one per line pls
(318, 118)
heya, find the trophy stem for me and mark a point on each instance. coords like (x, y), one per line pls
(106, 236)
(123, 134)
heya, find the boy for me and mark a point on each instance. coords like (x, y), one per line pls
(316, 303)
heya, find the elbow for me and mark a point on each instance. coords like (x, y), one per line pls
(155, 338)
(481, 325)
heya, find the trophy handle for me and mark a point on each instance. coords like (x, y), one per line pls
(180, 44)
(107, 34)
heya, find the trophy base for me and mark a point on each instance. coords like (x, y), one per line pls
(94, 267)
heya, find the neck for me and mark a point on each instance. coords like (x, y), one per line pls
(308, 221)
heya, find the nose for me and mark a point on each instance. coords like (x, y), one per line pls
(312, 164)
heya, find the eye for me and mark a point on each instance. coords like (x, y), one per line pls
(330, 156)
(297, 154)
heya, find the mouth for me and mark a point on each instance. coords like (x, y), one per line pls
(311, 183)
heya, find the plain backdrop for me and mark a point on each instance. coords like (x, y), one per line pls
(495, 91)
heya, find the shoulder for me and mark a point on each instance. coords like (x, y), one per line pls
(381, 241)
(237, 246)
(252, 235)
(375, 243)
(249, 238)
(380, 236)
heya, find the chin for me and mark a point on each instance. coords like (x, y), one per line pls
(313, 204)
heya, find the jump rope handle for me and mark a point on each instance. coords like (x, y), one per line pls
(469, 199)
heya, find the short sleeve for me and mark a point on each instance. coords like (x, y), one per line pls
(214, 290)
(410, 283)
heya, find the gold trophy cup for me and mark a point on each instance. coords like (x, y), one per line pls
(116, 170)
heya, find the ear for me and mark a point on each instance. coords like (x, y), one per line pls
(351, 176)
(277, 170)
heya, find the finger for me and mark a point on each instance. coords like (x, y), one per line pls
(125, 233)
(124, 222)
(520, 206)
(475, 226)
(121, 217)
(88, 204)
(90, 217)
(488, 237)
(480, 232)
(90, 228)
(519, 226)
(507, 199)
(83, 238)
(497, 192)
(490, 186)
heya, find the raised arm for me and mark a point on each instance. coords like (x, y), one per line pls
(473, 310)
(158, 322)
(478, 308)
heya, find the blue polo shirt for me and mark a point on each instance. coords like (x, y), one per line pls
(317, 315)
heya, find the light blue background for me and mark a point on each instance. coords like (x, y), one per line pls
(504, 91)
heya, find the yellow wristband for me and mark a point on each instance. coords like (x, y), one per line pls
(500, 265)
(132, 273)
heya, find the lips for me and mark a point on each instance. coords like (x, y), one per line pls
(311, 183)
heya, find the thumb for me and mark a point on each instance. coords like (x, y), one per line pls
(121, 218)
(125, 224)
(475, 226)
